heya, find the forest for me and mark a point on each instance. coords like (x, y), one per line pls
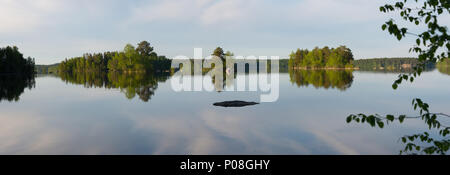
(46, 69)
(444, 66)
(387, 63)
(325, 57)
(142, 85)
(132, 59)
(13, 62)
(16, 73)
(443, 63)
(339, 79)
(12, 86)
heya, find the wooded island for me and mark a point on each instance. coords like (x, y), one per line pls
(131, 59)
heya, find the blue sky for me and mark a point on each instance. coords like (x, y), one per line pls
(51, 30)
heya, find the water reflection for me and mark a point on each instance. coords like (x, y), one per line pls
(340, 79)
(444, 69)
(144, 85)
(131, 84)
(68, 119)
(12, 86)
(235, 103)
(428, 68)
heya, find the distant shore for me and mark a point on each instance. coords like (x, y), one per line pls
(325, 68)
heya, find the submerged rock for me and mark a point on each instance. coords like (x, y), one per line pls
(235, 103)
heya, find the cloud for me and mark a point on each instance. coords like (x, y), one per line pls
(334, 142)
(273, 27)
(163, 11)
(38, 16)
(256, 13)
(205, 12)
(26, 15)
(335, 11)
(175, 10)
(225, 11)
(18, 134)
(16, 19)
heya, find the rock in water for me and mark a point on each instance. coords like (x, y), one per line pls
(235, 103)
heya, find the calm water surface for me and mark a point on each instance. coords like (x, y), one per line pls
(119, 115)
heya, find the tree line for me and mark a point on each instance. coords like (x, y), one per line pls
(339, 79)
(16, 73)
(325, 57)
(387, 63)
(132, 59)
(443, 63)
(143, 85)
(13, 62)
(46, 69)
(444, 66)
(11, 87)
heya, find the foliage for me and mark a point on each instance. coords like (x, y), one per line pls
(340, 79)
(131, 59)
(319, 58)
(435, 47)
(386, 63)
(418, 143)
(12, 86)
(219, 53)
(283, 65)
(16, 73)
(444, 62)
(444, 66)
(13, 62)
(132, 84)
(46, 69)
(432, 44)
(144, 48)
(88, 63)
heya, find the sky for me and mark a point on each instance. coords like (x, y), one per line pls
(52, 30)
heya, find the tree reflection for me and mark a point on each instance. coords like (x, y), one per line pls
(340, 79)
(12, 86)
(143, 85)
(444, 69)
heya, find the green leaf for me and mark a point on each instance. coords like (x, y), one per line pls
(401, 118)
(349, 119)
(427, 19)
(381, 124)
(404, 30)
(390, 117)
(394, 86)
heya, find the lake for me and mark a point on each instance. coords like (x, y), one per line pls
(121, 114)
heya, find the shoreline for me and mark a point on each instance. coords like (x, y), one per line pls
(325, 68)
